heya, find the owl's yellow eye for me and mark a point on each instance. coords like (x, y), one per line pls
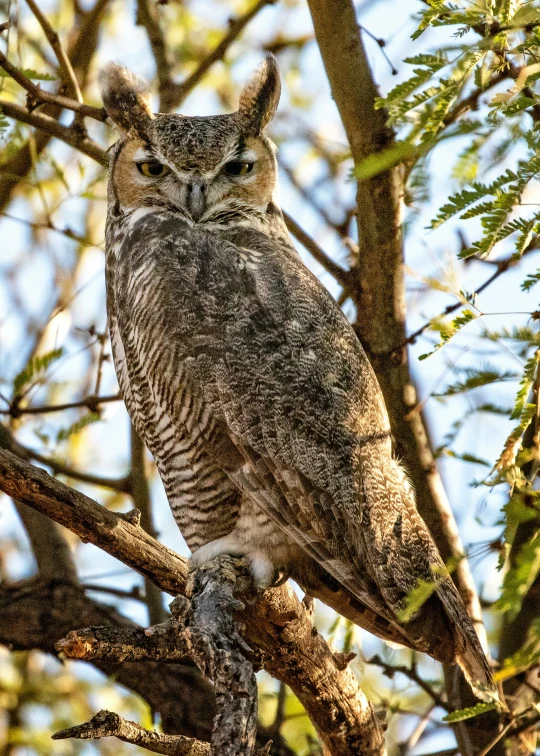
(237, 168)
(152, 169)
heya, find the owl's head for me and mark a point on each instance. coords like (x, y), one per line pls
(202, 166)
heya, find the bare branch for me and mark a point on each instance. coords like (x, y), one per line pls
(91, 402)
(107, 724)
(148, 16)
(68, 73)
(7, 441)
(69, 134)
(340, 274)
(236, 26)
(37, 96)
(411, 672)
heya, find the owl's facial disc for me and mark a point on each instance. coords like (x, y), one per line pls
(208, 168)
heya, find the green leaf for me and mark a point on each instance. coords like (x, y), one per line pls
(30, 74)
(448, 331)
(525, 16)
(378, 162)
(525, 385)
(530, 281)
(65, 433)
(470, 712)
(476, 378)
(519, 579)
(35, 368)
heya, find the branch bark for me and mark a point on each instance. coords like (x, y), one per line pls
(204, 630)
(278, 627)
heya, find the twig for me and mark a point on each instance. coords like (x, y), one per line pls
(68, 73)
(147, 16)
(502, 267)
(107, 724)
(340, 274)
(392, 669)
(70, 135)
(134, 594)
(236, 26)
(37, 96)
(91, 402)
(9, 442)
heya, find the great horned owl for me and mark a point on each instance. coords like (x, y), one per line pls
(248, 384)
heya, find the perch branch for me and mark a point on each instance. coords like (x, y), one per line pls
(278, 628)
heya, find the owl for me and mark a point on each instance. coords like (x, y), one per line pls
(248, 384)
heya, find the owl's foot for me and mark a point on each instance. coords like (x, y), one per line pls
(264, 572)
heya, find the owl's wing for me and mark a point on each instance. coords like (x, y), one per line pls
(284, 373)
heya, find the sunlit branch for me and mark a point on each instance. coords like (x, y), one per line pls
(66, 68)
(70, 135)
(340, 274)
(36, 96)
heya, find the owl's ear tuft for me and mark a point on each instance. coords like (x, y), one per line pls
(126, 97)
(260, 96)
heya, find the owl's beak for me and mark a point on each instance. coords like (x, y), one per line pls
(196, 199)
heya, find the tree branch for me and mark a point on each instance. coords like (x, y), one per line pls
(80, 53)
(68, 74)
(38, 96)
(9, 442)
(236, 26)
(341, 275)
(278, 627)
(69, 134)
(107, 724)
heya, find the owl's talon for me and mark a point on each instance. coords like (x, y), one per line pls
(280, 578)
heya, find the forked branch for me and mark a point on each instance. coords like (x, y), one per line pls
(278, 628)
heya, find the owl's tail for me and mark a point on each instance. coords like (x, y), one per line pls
(447, 636)
(468, 651)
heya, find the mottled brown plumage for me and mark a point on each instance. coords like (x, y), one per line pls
(248, 384)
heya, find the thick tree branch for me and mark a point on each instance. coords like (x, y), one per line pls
(204, 630)
(278, 627)
(37, 614)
